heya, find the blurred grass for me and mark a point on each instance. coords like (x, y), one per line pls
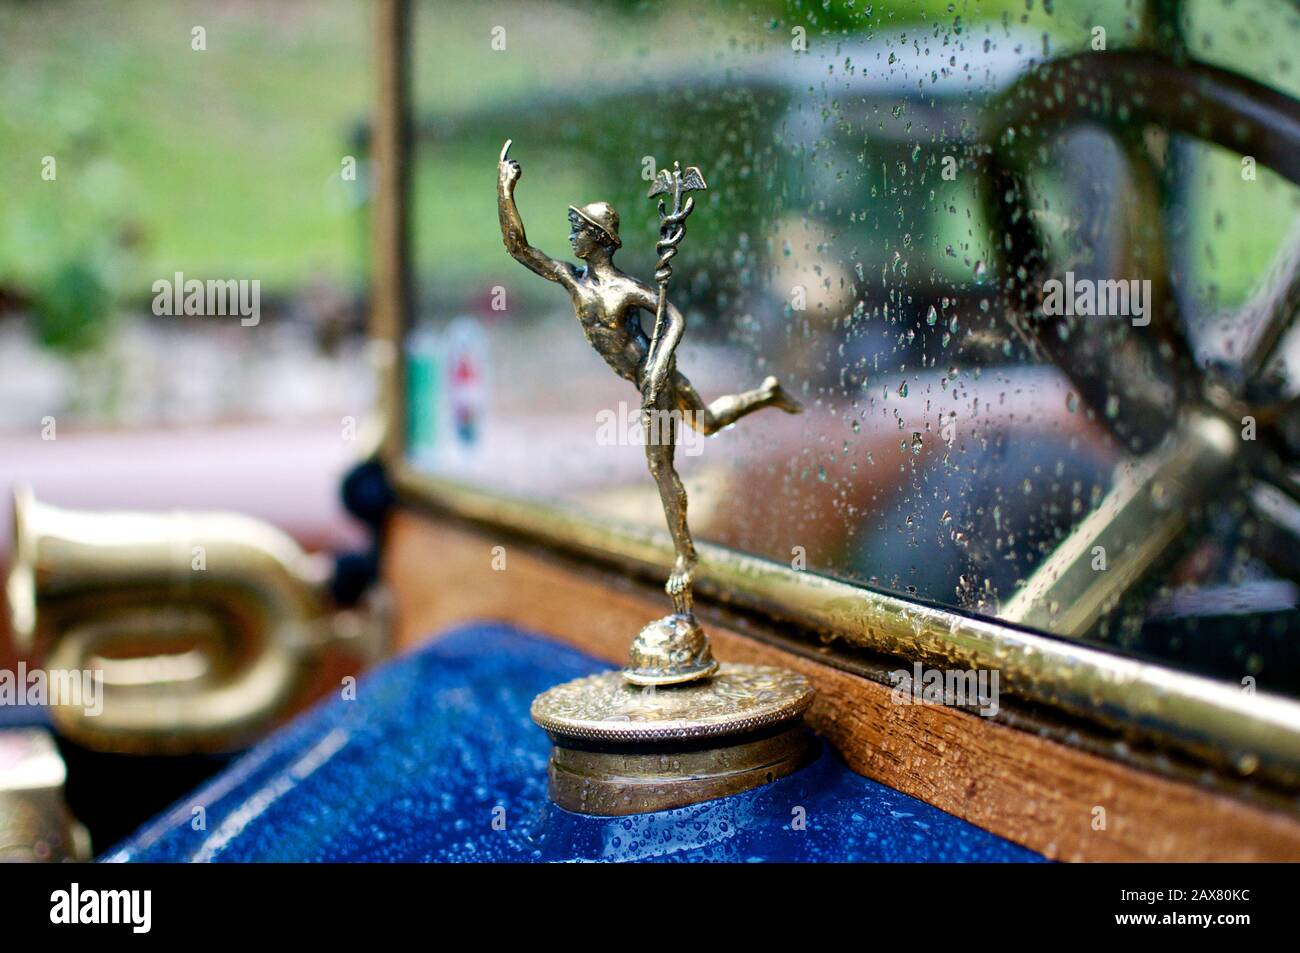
(221, 162)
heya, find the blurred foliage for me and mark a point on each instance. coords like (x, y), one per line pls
(223, 162)
(73, 306)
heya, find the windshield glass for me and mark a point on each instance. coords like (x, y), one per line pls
(1032, 303)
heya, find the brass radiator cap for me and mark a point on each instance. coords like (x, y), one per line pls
(622, 748)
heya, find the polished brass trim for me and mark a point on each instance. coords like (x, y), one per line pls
(1135, 528)
(1252, 734)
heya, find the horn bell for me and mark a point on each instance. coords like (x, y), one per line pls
(168, 632)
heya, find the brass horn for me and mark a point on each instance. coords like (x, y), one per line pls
(188, 631)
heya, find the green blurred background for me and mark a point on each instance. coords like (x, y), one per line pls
(220, 162)
(227, 162)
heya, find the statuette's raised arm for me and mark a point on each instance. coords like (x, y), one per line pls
(512, 226)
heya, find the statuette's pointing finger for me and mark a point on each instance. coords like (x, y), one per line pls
(505, 150)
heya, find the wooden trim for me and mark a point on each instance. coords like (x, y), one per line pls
(1255, 736)
(1033, 790)
(390, 279)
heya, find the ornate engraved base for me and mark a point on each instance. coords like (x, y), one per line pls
(626, 749)
(670, 651)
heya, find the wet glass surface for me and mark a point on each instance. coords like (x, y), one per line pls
(891, 194)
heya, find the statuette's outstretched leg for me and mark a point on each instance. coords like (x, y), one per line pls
(708, 419)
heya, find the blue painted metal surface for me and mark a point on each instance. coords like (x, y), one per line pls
(437, 746)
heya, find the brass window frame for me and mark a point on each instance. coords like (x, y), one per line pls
(1248, 734)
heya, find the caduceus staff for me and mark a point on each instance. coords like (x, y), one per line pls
(672, 229)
